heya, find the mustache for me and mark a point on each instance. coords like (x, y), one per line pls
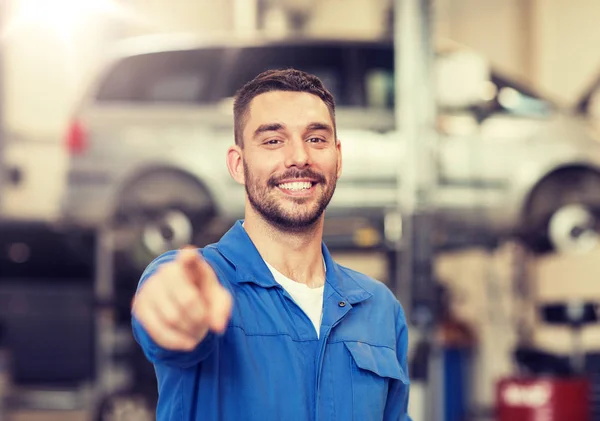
(296, 173)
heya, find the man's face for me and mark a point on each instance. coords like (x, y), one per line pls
(291, 159)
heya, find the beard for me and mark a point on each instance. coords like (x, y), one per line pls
(304, 212)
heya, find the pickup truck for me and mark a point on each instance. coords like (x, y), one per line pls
(146, 149)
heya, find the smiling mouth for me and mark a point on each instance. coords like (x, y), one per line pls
(296, 186)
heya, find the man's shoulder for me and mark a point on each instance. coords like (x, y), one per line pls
(382, 301)
(378, 289)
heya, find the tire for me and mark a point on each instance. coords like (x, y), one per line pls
(563, 213)
(161, 211)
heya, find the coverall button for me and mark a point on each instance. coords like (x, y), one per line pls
(342, 304)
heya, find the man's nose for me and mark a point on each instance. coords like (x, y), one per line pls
(297, 154)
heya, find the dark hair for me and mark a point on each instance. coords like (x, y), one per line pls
(291, 80)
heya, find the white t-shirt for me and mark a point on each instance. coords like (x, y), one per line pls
(310, 300)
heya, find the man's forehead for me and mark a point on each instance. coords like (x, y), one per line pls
(279, 98)
(297, 104)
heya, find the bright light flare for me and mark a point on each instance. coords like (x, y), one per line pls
(56, 13)
(63, 17)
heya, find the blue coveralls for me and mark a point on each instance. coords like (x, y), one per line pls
(270, 365)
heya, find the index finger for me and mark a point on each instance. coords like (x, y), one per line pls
(197, 269)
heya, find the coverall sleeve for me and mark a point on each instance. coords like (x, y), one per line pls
(397, 402)
(154, 352)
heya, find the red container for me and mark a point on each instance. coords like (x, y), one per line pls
(543, 399)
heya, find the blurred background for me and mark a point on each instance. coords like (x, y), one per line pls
(471, 185)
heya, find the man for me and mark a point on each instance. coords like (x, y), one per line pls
(264, 325)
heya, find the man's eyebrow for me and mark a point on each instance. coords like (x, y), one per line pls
(320, 126)
(271, 127)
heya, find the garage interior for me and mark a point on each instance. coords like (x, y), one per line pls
(499, 323)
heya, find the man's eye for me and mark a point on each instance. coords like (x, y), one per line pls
(272, 142)
(316, 140)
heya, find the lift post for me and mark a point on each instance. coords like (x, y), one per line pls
(415, 114)
(110, 375)
(105, 314)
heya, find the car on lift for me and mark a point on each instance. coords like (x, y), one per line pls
(147, 148)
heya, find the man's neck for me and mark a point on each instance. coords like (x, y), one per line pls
(297, 255)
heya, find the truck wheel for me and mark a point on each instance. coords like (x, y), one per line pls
(563, 214)
(157, 232)
(159, 212)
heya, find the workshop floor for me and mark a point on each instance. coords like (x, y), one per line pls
(48, 416)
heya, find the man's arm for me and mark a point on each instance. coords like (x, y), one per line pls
(179, 308)
(397, 402)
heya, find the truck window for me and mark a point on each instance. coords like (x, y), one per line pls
(375, 66)
(326, 62)
(164, 77)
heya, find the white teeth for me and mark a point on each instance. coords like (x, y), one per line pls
(296, 185)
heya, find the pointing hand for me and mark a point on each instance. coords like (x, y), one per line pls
(182, 301)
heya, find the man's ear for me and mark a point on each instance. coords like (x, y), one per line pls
(235, 164)
(338, 146)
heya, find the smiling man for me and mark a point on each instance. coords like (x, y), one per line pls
(264, 325)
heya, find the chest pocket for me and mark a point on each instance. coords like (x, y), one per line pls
(372, 369)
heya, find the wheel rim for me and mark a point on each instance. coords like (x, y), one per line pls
(571, 229)
(172, 230)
